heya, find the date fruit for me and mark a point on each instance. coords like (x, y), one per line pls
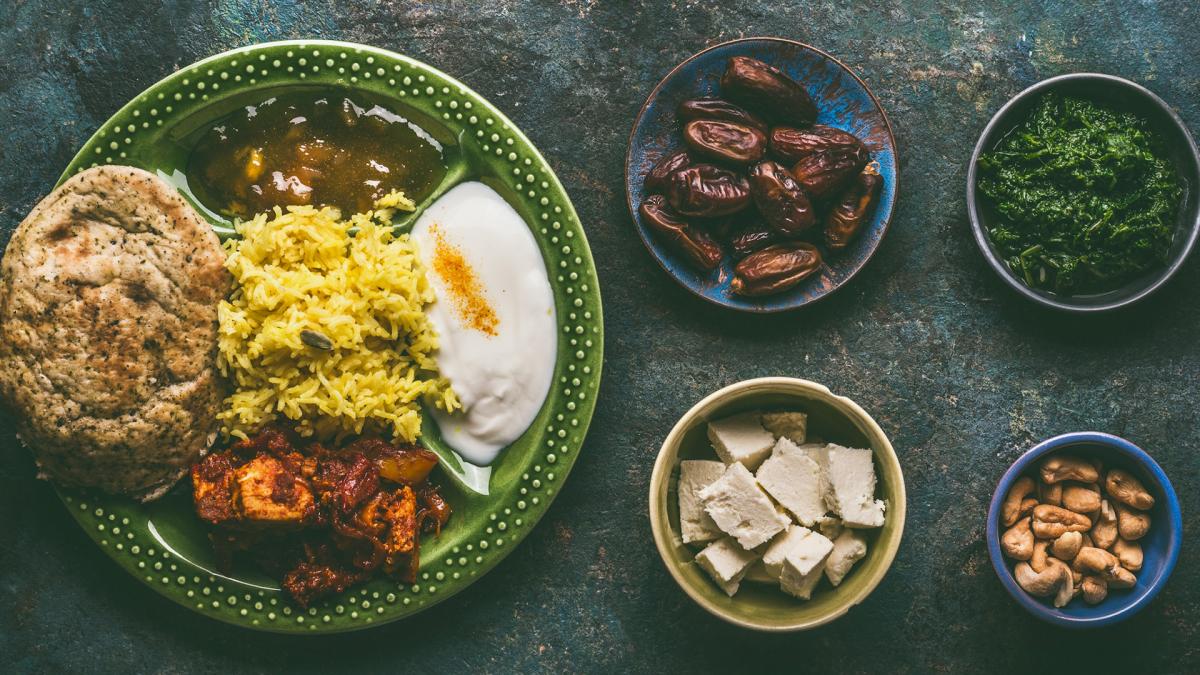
(707, 191)
(656, 179)
(823, 173)
(751, 239)
(775, 268)
(725, 142)
(767, 91)
(852, 209)
(719, 109)
(780, 199)
(791, 144)
(693, 243)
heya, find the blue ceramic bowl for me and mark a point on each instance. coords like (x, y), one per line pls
(1160, 546)
(843, 100)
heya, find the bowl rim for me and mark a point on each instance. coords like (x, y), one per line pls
(1057, 443)
(661, 472)
(887, 223)
(973, 200)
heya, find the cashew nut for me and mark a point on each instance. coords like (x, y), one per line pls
(1107, 566)
(1067, 546)
(1095, 589)
(1073, 528)
(1052, 522)
(1095, 560)
(1047, 582)
(1063, 467)
(1039, 560)
(1119, 577)
(1131, 524)
(1066, 588)
(1011, 510)
(1081, 498)
(1017, 541)
(1050, 494)
(1105, 531)
(1123, 487)
(1076, 575)
(1128, 552)
(1036, 584)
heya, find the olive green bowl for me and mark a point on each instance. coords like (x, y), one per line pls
(833, 418)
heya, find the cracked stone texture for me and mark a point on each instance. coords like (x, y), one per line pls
(959, 371)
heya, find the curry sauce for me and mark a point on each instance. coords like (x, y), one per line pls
(313, 148)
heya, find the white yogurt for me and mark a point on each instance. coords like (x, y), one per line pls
(494, 316)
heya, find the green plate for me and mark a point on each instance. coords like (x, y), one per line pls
(163, 544)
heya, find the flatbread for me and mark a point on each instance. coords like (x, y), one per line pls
(108, 332)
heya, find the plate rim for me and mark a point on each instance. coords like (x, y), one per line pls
(759, 310)
(565, 465)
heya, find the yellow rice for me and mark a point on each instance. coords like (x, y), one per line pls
(302, 269)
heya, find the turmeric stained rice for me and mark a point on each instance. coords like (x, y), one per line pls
(326, 328)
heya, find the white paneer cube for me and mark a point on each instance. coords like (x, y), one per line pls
(790, 425)
(799, 585)
(851, 496)
(809, 554)
(694, 475)
(830, 526)
(741, 438)
(804, 564)
(726, 563)
(741, 509)
(819, 453)
(793, 479)
(757, 573)
(848, 548)
(780, 546)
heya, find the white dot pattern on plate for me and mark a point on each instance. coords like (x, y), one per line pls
(568, 261)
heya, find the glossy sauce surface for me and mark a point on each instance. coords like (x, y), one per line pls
(318, 148)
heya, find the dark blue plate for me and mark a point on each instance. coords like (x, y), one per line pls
(843, 100)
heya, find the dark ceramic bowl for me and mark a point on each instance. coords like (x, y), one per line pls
(1160, 546)
(1120, 94)
(843, 101)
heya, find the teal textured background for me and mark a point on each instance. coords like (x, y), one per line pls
(962, 374)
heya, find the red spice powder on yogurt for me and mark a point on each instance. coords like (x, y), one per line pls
(465, 291)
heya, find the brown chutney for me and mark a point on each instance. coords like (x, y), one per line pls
(320, 148)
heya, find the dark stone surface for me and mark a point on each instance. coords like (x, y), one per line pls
(962, 373)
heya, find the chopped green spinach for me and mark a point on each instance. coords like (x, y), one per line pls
(1086, 198)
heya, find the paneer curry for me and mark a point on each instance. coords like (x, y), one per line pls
(319, 519)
